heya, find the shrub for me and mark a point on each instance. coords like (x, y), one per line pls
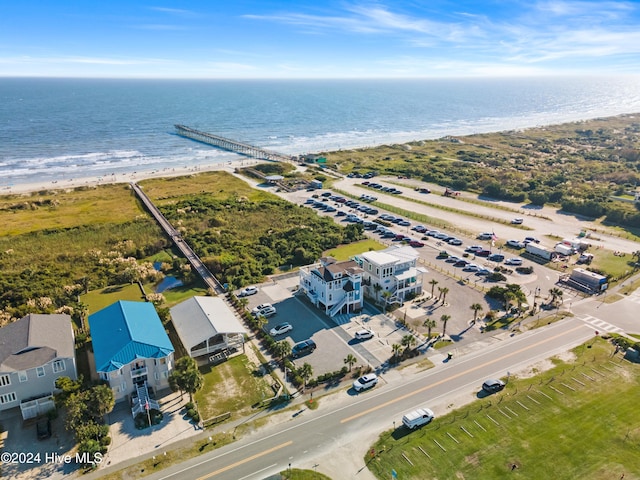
(196, 417)
(191, 413)
(189, 406)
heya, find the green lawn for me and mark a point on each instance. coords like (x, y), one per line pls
(578, 420)
(345, 252)
(98, 299)
(232, 386)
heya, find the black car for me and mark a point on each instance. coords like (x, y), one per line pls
(492, 385)
(303, 348)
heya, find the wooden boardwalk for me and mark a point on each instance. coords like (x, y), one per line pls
(211, 281)
(232, 145)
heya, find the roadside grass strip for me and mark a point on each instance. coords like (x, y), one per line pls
(548, 426)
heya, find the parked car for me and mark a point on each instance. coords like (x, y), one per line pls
(531, 239)
(281, 329)
(471, 268)
(340, 213)
(404, 223)
(432, 233)
(417, 418)
(247, 291)
(416, 243)
(493, 385)
(304, 347)
(515, 244)
(483, 272)
(483, 253)
(454, 241)
(517, 221)
(461, 263)
(366, 381)
(260, 307)
(513, 261)
(485, 236)
(419, 228)
(496, 257)
(474, 249)
(451, 259)
(266, 312)
(363, 334)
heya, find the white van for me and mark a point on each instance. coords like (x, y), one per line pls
(417, 418)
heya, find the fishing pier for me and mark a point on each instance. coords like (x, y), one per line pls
(232, 145)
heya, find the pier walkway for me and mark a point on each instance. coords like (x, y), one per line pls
(212, 282)
(232, 145)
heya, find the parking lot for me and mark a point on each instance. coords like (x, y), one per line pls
(334, 342)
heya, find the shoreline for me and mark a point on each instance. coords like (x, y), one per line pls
(122, 178)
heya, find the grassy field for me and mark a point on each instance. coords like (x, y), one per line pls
(232, 386)
(98, 299)
(345, 252)
(578, 420)
(59, 209)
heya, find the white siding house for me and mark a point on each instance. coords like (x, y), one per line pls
(391, 270)
(334, 287)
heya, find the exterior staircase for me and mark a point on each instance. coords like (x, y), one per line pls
(143, 402)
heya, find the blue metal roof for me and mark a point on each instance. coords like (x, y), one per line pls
(125, 331)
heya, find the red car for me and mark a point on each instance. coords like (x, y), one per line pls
(416, 243)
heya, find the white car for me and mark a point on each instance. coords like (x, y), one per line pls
(266, 312)
(363, 334)
(515, 244)
(366, 381)
(517, 221)
(260, 308)
(513, 261)
(245, 292)
(418, 418)
(281, 329)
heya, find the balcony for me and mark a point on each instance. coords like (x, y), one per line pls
(138, 372)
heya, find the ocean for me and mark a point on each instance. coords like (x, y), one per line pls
(58, 129)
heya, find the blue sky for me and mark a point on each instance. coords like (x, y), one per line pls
(312, 39)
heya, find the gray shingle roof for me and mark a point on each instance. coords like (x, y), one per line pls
(35, 340)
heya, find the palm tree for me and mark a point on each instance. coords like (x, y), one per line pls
(433, 283)
(429, 323)
(305, 372)
(508, 298)
(386, 295)
(282, 349)
(444, 292)
(555, 294)
(350, 360)
(444, 319)
(376, 288)
(396, 349)
(476, 307)
(261, 321)
(408, 341)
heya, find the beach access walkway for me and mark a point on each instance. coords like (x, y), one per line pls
(210, 280)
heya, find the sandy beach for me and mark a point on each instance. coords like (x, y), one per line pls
(124, 177)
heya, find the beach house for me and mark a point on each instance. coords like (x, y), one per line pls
(34, 352)
(332, 286)
(394, 270)
(132, 351)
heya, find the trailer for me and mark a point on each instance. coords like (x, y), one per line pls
(539, 251)
(589, 281)
(563, 249)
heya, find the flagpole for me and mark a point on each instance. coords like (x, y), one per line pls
(146, 406)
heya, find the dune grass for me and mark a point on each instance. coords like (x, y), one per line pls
(577, 420)
(62, 209)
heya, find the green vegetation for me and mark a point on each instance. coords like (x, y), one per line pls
(233, 386)
(296, 474)
(345, 252)
(578, 166)
(577, 420)
(103, 297)
(243, 234)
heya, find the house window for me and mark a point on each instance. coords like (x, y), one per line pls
(165, 374)
(58, 366)
(8, 398)
(22, 375)
(156, 376)
(330, 297)
(123, 387)
(163, 360)
(40, 371)
(5, 380)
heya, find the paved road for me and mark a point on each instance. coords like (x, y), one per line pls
(314, 434)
